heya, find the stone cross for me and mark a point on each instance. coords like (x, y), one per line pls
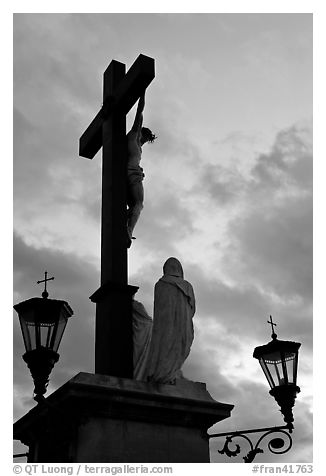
(121, 90)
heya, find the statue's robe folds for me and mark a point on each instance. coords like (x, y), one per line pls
(142, 332)
(173, 333)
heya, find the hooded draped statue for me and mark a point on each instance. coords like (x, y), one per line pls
(172, 336)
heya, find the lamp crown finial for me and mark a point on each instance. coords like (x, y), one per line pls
(45, 294)
(272, 325)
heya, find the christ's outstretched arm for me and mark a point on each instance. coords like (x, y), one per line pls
(138, 122)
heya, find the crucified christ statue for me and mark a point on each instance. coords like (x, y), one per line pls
(136, 138)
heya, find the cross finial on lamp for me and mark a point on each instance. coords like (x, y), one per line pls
(45, 294)
(272, 325)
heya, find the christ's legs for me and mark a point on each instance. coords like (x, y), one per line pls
(135, 205)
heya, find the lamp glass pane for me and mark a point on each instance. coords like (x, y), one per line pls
(283, 380)
(27, 323)
(273, 362)
(291, 361)
(275, 370)
(25, 332)
(32, 334)
(290, 370)
(295, 369)
(59, 332)
(267, 373)
(49, 336)
(45, 334)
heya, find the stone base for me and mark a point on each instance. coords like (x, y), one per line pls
(101, 419)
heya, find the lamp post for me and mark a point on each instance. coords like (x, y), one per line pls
(42, 322)
(279, 361)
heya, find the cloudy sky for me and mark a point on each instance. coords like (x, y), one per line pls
(228, 190)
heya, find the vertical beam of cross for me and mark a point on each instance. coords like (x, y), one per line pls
(113, 332)
(114, 257)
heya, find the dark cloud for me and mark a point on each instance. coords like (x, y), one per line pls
(286, 167)
(288, 163)
(243, 309)
(275, 247)
(49, 177)
(272, 240)
(223, 186)
(164, 223)
(268, 248)
(52, 39)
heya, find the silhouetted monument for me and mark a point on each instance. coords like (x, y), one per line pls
(173, 332)
(109, 416)
(113, 347)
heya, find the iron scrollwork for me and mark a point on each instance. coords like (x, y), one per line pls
(279, 445)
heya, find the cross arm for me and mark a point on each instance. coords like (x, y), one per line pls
(91, 140)
(133, 85)
(139, 76)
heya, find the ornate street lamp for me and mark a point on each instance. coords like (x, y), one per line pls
(42, 322)
(279, 361)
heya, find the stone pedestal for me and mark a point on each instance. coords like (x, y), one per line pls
(113, 330)
(101, 419)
